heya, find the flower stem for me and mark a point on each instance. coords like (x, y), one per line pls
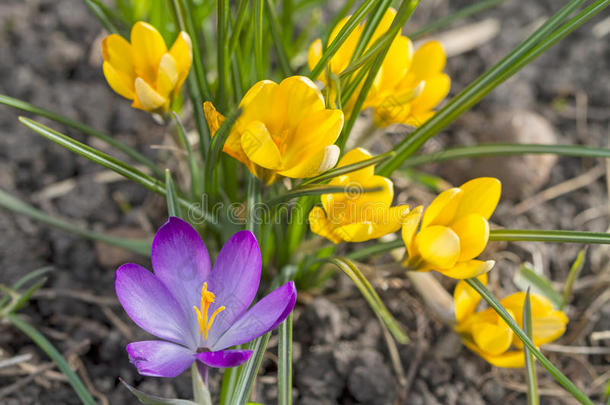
(199, 375)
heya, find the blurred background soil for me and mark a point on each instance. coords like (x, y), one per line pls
(50, 56)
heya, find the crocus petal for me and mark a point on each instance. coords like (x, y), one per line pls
(320, 225)
(428, 60)
(182, 53)
(466, 299)
(224, 358)
(468, 269)
(473, 231)
(355, 156)
(396, 63)
(356, 232)
(435, 90)
(264, 102)
(148, 48)
(151, 305)
(117, 52)
(156, 358)
(258, 145)
(442, 209)
(439, 246)
(303, 99)
(315, 132)
(323, 160)
(167, 75)
(314, 54)
(509, 359)
(481, 196)
(492, 338)
(234, 280)
(181, 261)
(147, 98)
(389, 221)
(409, 227)
(232, 146)
(264, 316)
(384, 24)
(119, 81)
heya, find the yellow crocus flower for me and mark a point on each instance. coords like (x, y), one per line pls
(486, 334)
(454, 230)
(283, 130)
(357, 216)
(409, 84)
(144, 70)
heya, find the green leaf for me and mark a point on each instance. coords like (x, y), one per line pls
(339, 171)
(530, 366)
(57, 358)
(249, 370)
(141, 246)
(315, 189)
(104, 15)
(526, 277)
(222, 53)
(132, 153)
(24, 297)
(280, 47)
(460, 14)
(367, 290)
(194, 170)
(515, 235)
(505, 149)
(528, 50)
(557, 375)
(229, 380)
(284, 370)
(117, 166)
(173, 207)
(258, 39)
(218, 141)
(377, 248)
(36, 274)
(575, 270)
(148, 399)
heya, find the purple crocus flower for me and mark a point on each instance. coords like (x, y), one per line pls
(196, 310)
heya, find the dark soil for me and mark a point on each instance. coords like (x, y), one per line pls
(49, 56)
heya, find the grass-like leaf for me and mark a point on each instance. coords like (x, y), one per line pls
(515, 235)
(284, 369)
(367, 290)
(148, 399)
(339, 171)
(194, 170)
(47, 347)
(526, 278)
(173, 207)
(315, 189)
(249, 370)
(216, 146)
(575, 270)
(530, 365)
(554, 371)
(280, 46)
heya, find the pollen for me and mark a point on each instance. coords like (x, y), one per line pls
(205, 323)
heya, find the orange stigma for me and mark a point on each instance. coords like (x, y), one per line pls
(207, 298)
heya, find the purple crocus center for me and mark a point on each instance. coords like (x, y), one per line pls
(205, 324)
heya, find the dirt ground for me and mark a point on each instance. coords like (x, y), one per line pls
(49, 56)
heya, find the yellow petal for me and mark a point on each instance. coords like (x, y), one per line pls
(117, 52)
(384, 24)
(468, 269)
(314, 54)
(374, 200)
(355, 156)
(466, 299)
(323, 160)
(213, 117)
(316, 131)
(435, 90)
(439, 246)
(167, 76)
(417, 119)
(147, 98)
(264, 103)
(396, 63)
(409, 227)
(258, 145)
(428, 60)
(480, 196)
(548, 328)
(509, 359)
(473, 231)
(443, 208)
(148, 48)
(303, 99)
(118, 81)
(320, 225)
(342, 57)
(492, 338)
(391, 221)
(356, 232)
(182, 52)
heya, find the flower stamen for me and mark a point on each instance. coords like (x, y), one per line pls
(207, 298)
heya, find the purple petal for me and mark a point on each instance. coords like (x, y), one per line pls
(181, 261)
(224, 358)
(150, 304)
(264, 316)
(234, 280)
(157, 358)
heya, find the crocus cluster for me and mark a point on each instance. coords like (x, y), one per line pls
(409, 84)
(283, 130)
(198, 311)
(357, 216)
(144, 70)
(453, 231)
(486, 334)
